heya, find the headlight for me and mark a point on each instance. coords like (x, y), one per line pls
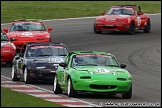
(47, 36)
(129, 76)
(13, 46)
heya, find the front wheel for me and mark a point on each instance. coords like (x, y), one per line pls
(147, 27)
(13, 74)
(95, 30)
(71, 91)
(127, 95)
(27, 78)
(132, 28)
(56, 86)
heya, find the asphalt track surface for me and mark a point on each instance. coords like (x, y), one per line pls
(140, 52)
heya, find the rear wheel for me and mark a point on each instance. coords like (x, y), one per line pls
(56, 86)
(127, 95)
(71, 91)
(96, 31)
(132, 28)
(147, 27)
(13, 74)
(27, 78)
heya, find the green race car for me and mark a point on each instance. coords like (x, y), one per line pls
(96, 72)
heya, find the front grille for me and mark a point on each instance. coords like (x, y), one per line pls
(92, 86)
(110, 27)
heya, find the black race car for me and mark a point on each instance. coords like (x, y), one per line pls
(38, 61)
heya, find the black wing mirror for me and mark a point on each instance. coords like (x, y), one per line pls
(64, 65)
(123, 66)
(17, 57)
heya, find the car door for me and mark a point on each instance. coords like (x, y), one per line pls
(63, 73)
(141, 17)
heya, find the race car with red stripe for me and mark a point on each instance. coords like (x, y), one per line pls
(127, 18)
(28, 30)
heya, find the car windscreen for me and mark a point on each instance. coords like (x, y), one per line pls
(121, 11)
(27, 27)
(4, 37)
(94, 60)
(40, 51)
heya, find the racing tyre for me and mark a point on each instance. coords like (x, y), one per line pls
(27, 78)
(96, 31)
(148, 27)
(13, 74)
(127, 95)
(56, 87)
(132, 29)
(71, 91)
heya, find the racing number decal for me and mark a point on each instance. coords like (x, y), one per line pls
(101, 70)
(55, 60)
(138, 21)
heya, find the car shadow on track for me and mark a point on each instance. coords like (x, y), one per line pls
(97, 95)
(121, 33)
(41, 82)
(6, 65)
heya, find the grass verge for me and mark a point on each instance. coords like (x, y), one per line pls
(13, 10)
(11, 98)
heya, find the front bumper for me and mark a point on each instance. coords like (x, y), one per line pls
(112, 27)
(42, 74)
(107, 86)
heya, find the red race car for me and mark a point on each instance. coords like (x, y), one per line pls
(28, 30)
(8, 49)
(128, 18)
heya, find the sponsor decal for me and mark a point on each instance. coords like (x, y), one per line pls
(35, 47)
(28, 34)
(124, 15)
(93, 55)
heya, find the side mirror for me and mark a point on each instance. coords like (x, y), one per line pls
(140, 13)
(17, 57)
(103, 13)
(49, 28)
(13, 39)
(123, 66)
(5, 30)
(63, 65)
